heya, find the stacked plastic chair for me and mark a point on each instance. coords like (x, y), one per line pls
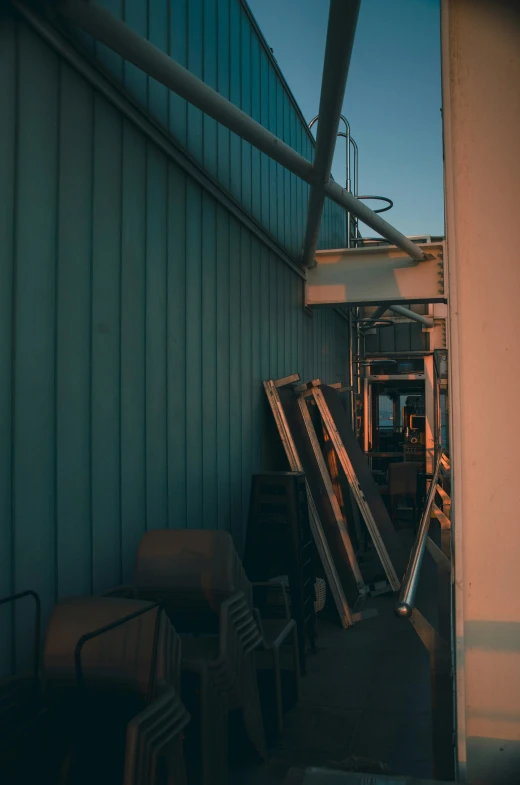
(195, 574)
(109, 708)
(198, 578)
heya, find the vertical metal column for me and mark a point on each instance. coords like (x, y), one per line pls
(481, 78)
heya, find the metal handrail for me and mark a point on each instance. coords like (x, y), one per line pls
(37, 622)
(350, 141)
(379, 199)
(410, 582)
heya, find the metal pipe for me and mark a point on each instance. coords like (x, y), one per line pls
(115, 34)
(340, 39)
(416, 317)
(380, 310)
(410, 583)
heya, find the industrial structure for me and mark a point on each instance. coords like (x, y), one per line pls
(171, 237)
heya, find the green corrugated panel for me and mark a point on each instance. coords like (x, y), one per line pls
(34, 362)
(8, 129)
(142, 322)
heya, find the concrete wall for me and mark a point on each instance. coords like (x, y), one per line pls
(138, 318)
(481, 108)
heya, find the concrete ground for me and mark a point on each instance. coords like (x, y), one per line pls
(366, 694)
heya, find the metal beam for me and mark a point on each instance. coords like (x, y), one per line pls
(380, 274)
(115, 34)
(340, 39)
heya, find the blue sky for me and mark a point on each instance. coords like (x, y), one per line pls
(392, 101)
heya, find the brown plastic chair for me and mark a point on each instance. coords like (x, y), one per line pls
(110, 674)
(192, 571)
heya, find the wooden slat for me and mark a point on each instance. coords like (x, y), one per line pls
(317, 530)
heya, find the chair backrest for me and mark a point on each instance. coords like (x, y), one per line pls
(122, 659)
(402, 478)
(192, 569)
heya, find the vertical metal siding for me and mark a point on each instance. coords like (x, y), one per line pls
(138, 321)
(216, 40)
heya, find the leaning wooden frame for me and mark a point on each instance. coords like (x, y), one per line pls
(313, 389)
(342, 606)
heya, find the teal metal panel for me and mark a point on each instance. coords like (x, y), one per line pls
(34, 417)
(273, 166)
(73, 336)
(194, 377)
(177, 347)
(135, 80)
(235, 81)
(235, 425)
(106, 346)
(8, 129)
(265, 164)
(155, 331)
(257, 393)
(256, 176)
(246, 375)
(178, 51)
(158, 34)
(107, 57)
(133, 346)
(210, 70)
(245, 104)
(223, 86)
(195, 58)
(210, 271)
(222, 382)
(139, 319)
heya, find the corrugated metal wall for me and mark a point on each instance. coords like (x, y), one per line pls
(217, 41)
(138, 320)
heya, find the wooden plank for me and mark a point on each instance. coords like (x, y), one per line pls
(356, 469)
(295, 377)
(331, 494)
(317, 529)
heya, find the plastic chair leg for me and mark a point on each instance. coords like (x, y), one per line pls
(297, 673)
(277, 678)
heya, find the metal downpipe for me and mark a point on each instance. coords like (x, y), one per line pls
(340, 39)
(132, 47)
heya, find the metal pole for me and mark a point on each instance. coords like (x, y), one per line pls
(416, 317)
(406, 602)
(340, 39)
(351, 371)
(122, 39)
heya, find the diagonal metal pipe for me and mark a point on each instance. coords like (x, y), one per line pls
(341, 29)
(115, 34)
(416, 317)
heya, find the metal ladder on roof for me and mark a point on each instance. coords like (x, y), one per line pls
(353, 236)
